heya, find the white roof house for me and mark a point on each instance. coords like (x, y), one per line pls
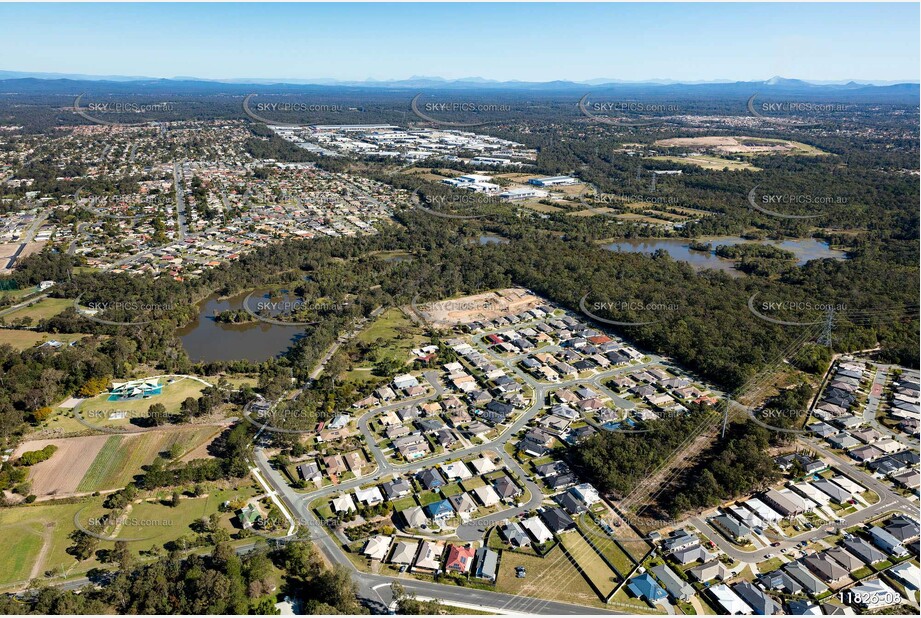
(343, 504)
(908, 574)
(764, 511)
(377, 546)
(873, 594)
(586, 493)
(537, 529)
(730, 601)
(847, 485)
(369, 496)
(487, 495)
(807, 490)
(483, 465)
(405, 381)
(456, 470)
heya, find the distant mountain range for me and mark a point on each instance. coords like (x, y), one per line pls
(23, 82)
(419, 81)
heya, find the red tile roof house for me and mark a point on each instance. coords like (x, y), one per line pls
(460, 559)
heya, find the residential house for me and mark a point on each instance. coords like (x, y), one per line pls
(827, 569)
(487, 564)
(370, 496)
(536, 528)
(645, 587)
(397, 488)
(415, 517)
(439, 511)
(886, 541)
(430, 478)
(756, 598)
(460, 559)
(557, 519)
(310, 471)
(429, 556)
(377, 547)
(863, 550)
(515, 535)
(343, 504)
(810, 582)
(404, 552)
(506, 488)
(486, 495)
(463, 504)
(707, 571)
(732, 604)
(677, 587)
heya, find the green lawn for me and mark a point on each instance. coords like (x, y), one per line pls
(43, 309)
(25, 339)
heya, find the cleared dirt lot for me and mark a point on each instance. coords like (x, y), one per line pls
(62, 473)
(486, 306)
(739, 145)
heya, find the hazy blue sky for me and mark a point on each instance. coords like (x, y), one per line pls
(497, 41)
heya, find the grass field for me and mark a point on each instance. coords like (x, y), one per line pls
(39, 537)
(615, 555)
(553, 578)
(45, 308)
(122, 457)
(592, 565)
(710, 163)
(393, 335)
(39, 532)
(24, 339)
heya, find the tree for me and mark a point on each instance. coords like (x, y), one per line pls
(157, 414)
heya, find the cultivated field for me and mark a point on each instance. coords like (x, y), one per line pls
(122, 457)
(100, 462)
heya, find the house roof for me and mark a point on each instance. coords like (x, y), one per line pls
(441, 508)
(460, 558)
(644, 586)
(676, 586)
(557, 519)
(404, 552)
(763, 604)
(729, 600)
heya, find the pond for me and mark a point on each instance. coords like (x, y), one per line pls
(207, 340)
(804, 249)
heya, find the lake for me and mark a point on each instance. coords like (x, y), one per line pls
(804, 249)
(207, 340)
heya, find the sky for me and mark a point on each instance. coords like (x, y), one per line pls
(533, 42)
